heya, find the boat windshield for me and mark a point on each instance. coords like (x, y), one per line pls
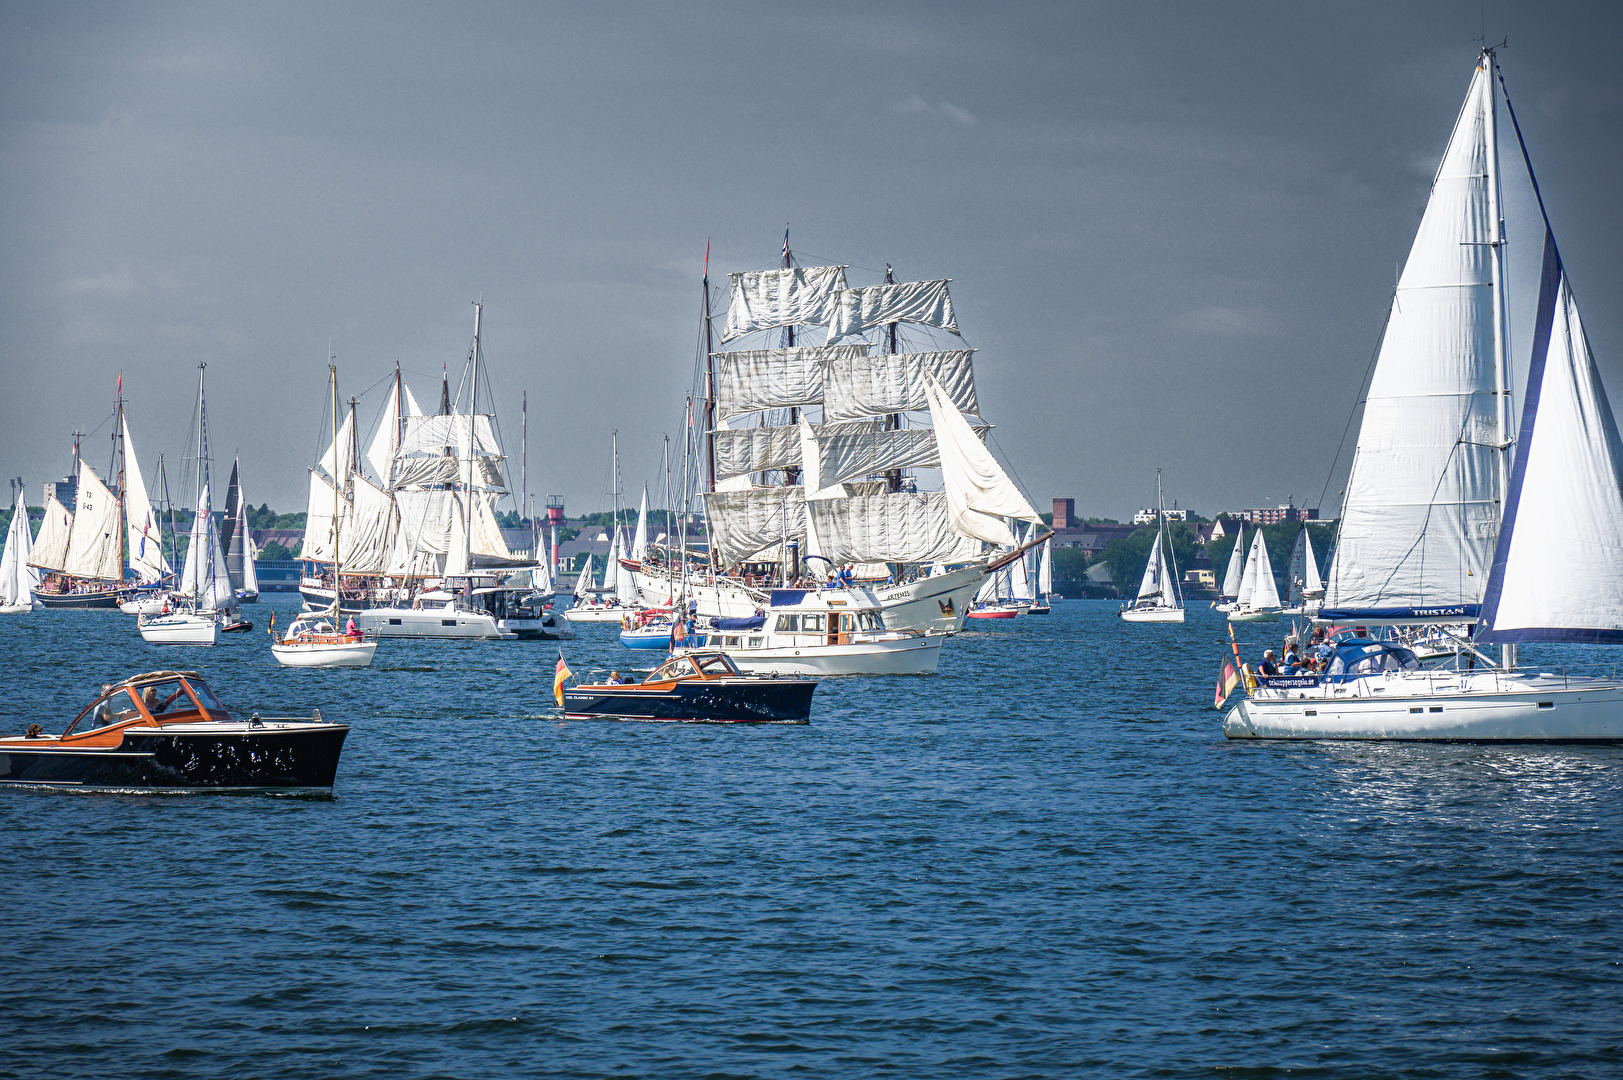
(117, 708)
(205, 696)
(679, 668)
(169, 696)
(717, 665)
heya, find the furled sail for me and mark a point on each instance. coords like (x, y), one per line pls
(859, 310)
(763, 299)
(856, 450)
(50, 551)
(1556, 573)
(1419, 522)
(979, 493)
(750, 380)
(744, 523)
(94, 547)
(908, 527)
(461, 434)
(855, 388)
(145, 535)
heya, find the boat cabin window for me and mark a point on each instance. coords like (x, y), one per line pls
(869, 620)
(116, 708)
(788, 624)
(717, 665)
(812, 624)
(675, 669)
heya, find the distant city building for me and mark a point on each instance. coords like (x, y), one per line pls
(1147, 517)
(1064, 514)
(1090, 536)
(66, 491)
(1273, 515)
(1207, 531)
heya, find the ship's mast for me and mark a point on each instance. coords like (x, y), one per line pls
(473, 411)
(791, 475)
(123, 512)
(337, 566)
(893, 421)
(1496, 256)
(709, 383)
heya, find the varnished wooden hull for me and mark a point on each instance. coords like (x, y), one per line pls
(202, 756)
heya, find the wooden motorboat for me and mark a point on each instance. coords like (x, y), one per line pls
(314, 641)
(166, 730)
(704, 687)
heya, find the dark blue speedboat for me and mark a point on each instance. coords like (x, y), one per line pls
(701, 687)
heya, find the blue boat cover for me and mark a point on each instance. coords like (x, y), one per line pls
(787, 597)
(751, 623)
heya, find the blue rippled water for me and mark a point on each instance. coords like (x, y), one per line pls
(1043, 862)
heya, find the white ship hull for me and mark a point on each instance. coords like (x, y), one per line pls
(15, 609)
(1242, 615)
(345, 654)
(939, 603)
(905, 656)
(598, 615)
(180, 629)
(1440, 706)
(1152, 615)
(146, 605)
(440, 622)
(718, 601)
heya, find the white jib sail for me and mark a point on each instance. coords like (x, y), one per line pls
(1558, 575)
(220, 595)
(319, 538)
(1020, 573)
(385, 445)
(1420, 518)
(336, 461)
(859, 310)
(1153, 584)
(1313, 585)
(93, 549)
(763, 299)
(1045, 570)
(611, 566)
(50, 551)
(583, 580)
(1231, 577)
(145, 534)
(250, 576)
(979, 494)
(625, 586)
(1297, 571)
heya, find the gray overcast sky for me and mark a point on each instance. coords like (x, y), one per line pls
(1172, 229)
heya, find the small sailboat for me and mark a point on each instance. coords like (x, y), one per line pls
(1234, 574)
(1158, 600)
(234, 538)
(591, 604)
(995, 599)
(1306, 587)
(1045, 582)
(17, 578)
(1259, 594)
(314, 639)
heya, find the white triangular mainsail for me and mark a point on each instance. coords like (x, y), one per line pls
(639, 545)
(1419, 520)
(50, 551)
(250, 575)
(145, 535)
(1236, 568)
(1258, 592)
(1045, 570)
(1153, 584)
(17, 578)
(1556, 573)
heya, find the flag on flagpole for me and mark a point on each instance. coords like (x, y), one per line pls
(272, 622)
(558, 678)
(1227, 682)
(786, 245)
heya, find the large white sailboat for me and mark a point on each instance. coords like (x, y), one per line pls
(1158, 598)
(17, 578)
(807, 447)
(1259, 593)
(1422, 536)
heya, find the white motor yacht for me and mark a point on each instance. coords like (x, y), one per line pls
(818, 635)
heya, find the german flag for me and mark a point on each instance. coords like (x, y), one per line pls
(1228, 681)
(558, 678)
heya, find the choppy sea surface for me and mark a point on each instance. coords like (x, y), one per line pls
(1044, 861)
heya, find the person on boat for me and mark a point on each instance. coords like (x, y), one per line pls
(104, 712)
(351, 629)
(615, 679)
(1268, 665)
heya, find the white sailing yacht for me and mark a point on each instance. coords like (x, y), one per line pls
(1045, 581)
(1158, 598)
(17, 578)
(786, 488)
(91, 553)
(204, 596)
(238, 545)
(1234, 575)
(1306, 587)
(1259, 593)
(1423, 537)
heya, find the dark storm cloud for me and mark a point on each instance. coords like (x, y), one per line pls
(1172, 229)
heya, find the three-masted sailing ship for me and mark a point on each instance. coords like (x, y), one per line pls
(109, 544)
(808, 451)
(1454, 515)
